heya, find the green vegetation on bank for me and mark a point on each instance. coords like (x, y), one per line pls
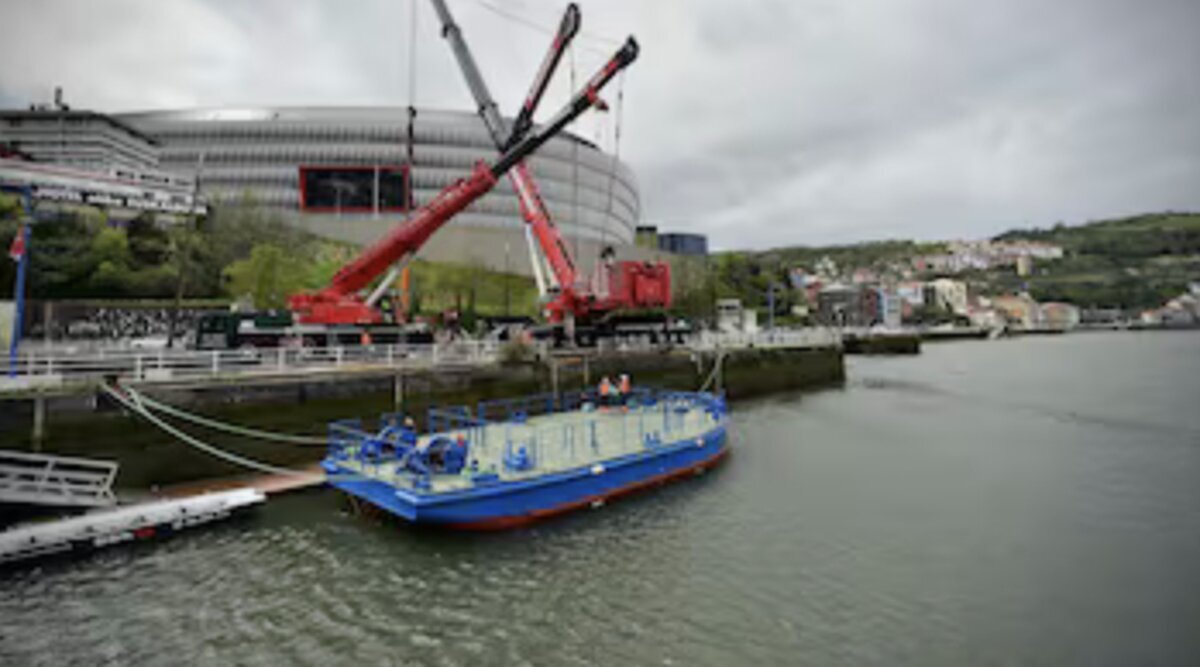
(1141, 236)
(1129, 263)
(749, 275)
(239, 251)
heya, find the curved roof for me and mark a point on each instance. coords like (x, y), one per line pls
(372, 115)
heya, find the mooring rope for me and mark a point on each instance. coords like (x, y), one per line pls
(308, 440)
(716, 367)
(134, 405)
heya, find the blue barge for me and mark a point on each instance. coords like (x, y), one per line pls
(511, 462)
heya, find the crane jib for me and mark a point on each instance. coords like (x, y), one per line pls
(337, 303)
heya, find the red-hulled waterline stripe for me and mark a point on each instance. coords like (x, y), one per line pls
(517, 521)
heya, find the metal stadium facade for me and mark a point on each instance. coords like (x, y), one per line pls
(286, 157)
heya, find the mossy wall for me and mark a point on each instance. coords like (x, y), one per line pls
(91, 425)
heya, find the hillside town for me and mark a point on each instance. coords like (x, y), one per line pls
(935, 290)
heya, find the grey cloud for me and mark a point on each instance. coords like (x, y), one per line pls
(761, 123)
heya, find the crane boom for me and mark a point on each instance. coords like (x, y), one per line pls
(532, 207)
(339, 304)
(567, 29)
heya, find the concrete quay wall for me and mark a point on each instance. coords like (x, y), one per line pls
(88, 423)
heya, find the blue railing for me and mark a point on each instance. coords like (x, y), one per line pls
(523, 442)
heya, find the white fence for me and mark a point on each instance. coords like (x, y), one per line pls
(51, 368)
(778, 338)
(54, 367)
(41, 479)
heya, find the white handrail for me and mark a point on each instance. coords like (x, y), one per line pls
(48, 367)
(42, 479)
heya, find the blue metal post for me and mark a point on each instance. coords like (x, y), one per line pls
(19, 296)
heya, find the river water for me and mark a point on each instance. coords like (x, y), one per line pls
(1028, 501)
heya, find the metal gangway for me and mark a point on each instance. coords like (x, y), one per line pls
(59, 481)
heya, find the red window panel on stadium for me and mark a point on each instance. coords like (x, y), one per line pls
(354, 189)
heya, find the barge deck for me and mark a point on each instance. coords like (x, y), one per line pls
(507, 463)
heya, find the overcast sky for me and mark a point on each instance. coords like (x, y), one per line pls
(761, 123)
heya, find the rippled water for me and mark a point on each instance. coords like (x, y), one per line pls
(1027, 501)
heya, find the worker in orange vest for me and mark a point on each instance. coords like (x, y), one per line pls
(606, 391)
(626, 385)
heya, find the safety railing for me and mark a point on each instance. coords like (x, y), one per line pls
(41, 479)
(53, 366)
(504, 439)
(812, 337)
(44, 368)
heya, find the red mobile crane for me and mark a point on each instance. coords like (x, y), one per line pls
(631, 286)
(340, 303)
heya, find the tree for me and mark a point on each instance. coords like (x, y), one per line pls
(111, 258)
(62, 258)
(187, 254)
(10, 221)
(268, 276)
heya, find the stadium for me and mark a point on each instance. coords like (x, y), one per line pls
(341, 172)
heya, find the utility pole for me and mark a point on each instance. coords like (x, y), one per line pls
(771, 307)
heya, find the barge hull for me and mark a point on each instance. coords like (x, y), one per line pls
(513, 504)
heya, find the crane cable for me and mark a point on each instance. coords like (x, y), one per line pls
(612, 172)
(574, 167)
(720, 359)
(412, 96)
(538, 27)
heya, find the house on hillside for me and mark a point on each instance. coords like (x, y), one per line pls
(1019, 309)
(1060, 315)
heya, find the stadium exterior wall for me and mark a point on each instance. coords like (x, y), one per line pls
(592, 196)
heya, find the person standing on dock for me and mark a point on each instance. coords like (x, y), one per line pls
(408, 435)
(606, 391)
(624, 387)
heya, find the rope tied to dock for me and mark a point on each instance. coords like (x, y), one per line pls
(720, 358)
(133, 402)
(234, 429)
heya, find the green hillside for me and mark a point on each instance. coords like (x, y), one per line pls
(1139, 237)
(1129, 263)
